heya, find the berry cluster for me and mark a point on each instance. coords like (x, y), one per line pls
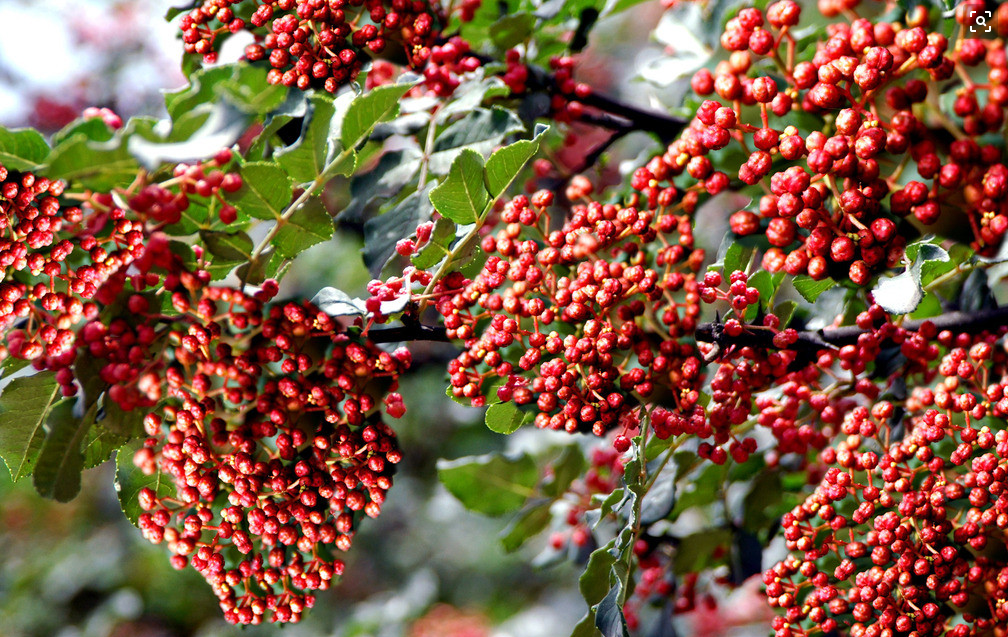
(207, 182)
(316, 43)
(268, 426)
(265, 418)
(894, 539)
(55, 258)
(607, 267)
(447, 62)
(836, 198)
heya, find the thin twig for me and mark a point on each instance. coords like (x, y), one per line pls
(834, 337)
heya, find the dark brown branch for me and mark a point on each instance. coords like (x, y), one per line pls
(611, 112)
(666, 127)
(408, 332)
(835, 337)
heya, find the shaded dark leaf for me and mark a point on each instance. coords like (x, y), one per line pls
(57, 472)
(609, 617)
(129, 481)
(532, 519)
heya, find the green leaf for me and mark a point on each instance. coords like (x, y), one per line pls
(22, 149)
(296, 105)
(381, 233)
(375, 106)
(620, 5)
(269, 265)
(480, 131)
(902, 293)
(760, 506)
(767, 285)
(199, 91)
(336, 302)
(506, 418)
(462, 196)
(227, 246)
(784, 311)
(810, 289)
(504, 165)
(511, 30)
(566, 468)
(128, 424)
(96, 165)
(24, 405)
(395, 169)
(736, 258)
(701, 490)
(444, 235)
(586, 627)
(493, 484)
(226, 250)
(100, 445)
(470, 94)
(129, 480)
(10, 365)
(310, 224)
(93, 128)
(532, 519)
(248, 90)
(660, 499)
(266, 190)
(223, 126)
(305, 159)
(594, 582)
(60, 462)
(612, 502)
(189, 122)
(695, 550)
(609, 617)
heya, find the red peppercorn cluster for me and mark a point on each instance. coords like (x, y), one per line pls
(316, 43)
(836, 197)
(106, 115)
(55, 258)
(565, 91)
(745, 371)
(905, 532)
(565, 104)
(206, 182)
(269, 428)
(446, 63)
(607, 270)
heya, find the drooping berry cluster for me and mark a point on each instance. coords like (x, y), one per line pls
(316, 43)
(270, 430)
(265, 419)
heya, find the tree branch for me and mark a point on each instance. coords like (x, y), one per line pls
(835, 337)
(612, 113)
(666, 127)
(408, 332)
